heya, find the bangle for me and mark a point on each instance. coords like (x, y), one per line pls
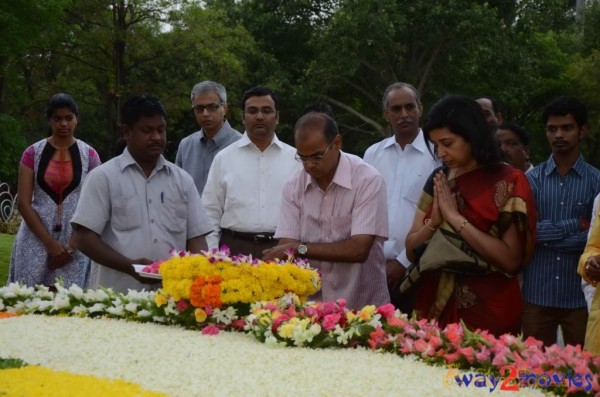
(460, 229)
(427, 223)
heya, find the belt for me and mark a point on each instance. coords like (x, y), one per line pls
(254, 237)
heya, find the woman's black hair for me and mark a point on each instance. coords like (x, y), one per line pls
(464, 117)
(59, 101)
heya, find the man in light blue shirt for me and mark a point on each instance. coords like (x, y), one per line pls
(197, 151)
(564, 187)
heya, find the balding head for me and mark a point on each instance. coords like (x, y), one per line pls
(314, 121)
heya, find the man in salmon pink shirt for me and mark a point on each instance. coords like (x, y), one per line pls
(334, 213)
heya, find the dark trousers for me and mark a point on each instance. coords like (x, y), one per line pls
(542, 323)
(246, 247)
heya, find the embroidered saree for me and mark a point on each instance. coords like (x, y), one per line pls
(491, 199)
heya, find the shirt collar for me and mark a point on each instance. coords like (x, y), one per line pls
(245, 141)
(578, 167)
(220, 137)
(342, 176)
(126, 160)
(418, 143)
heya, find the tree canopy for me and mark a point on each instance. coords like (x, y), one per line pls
(344, 52)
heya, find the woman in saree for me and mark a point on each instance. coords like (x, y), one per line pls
(589, 269)
(477, 216)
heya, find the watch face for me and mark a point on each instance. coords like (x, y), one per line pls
(302, 248)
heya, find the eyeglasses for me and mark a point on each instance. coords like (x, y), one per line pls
(265, 111)
(211, 107)
(315, 158)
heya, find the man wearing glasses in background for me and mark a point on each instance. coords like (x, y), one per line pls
(334, 213)
(197, 151)
(243, 191)
(405, 162)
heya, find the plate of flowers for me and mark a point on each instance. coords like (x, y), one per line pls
(139, 269)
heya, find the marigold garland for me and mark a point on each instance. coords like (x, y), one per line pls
(215, 279)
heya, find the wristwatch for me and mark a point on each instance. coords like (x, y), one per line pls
(302, 249)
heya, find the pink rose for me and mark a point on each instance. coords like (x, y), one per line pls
(330, 321)
(210, 330)
(182, 304)
(386, 310)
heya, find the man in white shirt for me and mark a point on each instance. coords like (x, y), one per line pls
(243, 192)
(405, 162)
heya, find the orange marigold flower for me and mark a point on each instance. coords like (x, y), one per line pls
(206, 291)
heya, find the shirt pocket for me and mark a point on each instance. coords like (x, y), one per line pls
(126, 213)
(412, 195)
(174, 217)
(341, 227)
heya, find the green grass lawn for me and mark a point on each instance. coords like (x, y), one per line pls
(6, 243)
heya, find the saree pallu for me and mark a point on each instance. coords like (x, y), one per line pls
(491, 199)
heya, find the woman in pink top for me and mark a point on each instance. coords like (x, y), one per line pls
(50, 176)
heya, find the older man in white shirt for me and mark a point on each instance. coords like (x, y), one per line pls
(405, 162)
(243, 192)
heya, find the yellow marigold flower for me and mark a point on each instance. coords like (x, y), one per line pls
(200, 315)
(351, 316)
(286, 330)
(160, 300)
(367, 312)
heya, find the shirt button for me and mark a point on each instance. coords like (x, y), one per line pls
(557, 277)
(561, 203)
(151, 220)
(150, 201)
(558, 258)
(155, 241)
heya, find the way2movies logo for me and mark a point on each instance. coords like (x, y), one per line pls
(512, 378)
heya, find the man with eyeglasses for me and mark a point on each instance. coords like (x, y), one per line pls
(405, 162)
(197, 151)
(334, 214)
(243, 191)
(564, 188)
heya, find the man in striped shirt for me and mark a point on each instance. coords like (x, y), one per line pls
(564, 187)
(334, 213)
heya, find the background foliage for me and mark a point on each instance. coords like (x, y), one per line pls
(344, 52)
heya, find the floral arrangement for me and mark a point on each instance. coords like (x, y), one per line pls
(287, 321)
(215, 279)
(181, 363)
(561, 370)
(214, 292)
